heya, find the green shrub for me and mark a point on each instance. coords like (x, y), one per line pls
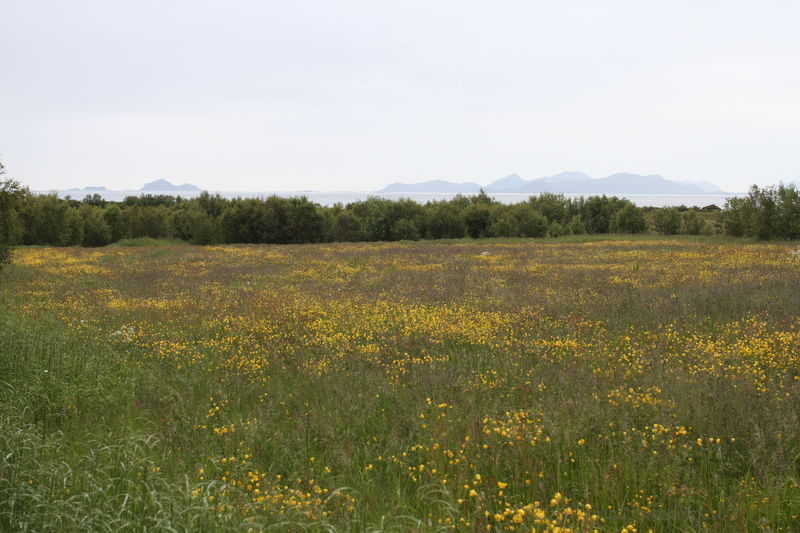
(96, 231)
(629, 219)
(667, 221)
(477, 218)
(576, 225)
(520, 220)
(405, 230)
(691, 223)
(12, 194)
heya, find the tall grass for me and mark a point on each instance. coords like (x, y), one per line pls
(601, 384)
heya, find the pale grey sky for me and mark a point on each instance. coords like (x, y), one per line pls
(332, 95)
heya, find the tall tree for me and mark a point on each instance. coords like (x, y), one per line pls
(11, 196)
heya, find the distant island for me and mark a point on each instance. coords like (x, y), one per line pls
(90, 189)
(159, 185)
(163, 185)
(434, 186)
(565, 182)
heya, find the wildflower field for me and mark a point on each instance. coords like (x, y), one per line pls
(532, 385)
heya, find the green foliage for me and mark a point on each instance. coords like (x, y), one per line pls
(691, 223)
(346, 228)
(147, 221)
(766, 213)
(504, 226)
(629, 219)
(667, 221)
(253, 221)
(304, 221)
(154, 200)
(519, 221)
(94, 199)
(45, 220)
(96, 231)
(555, 207)
(405, 230)
(73, 228)
(576, 225)
(597, 212)
(211, 204)
(736, 217)
(556, 229)
(116, 222)
(378, 219)
(12, 194)
(193, 224)
(445, 221)
(770, 213)
(529, 221)
(273, 221)
(477, 218)
(374, 219)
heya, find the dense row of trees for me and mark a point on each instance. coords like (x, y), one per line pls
(208, 219)
(766, 213)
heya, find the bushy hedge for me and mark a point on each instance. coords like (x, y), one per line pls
(766, 213)
(208, 219)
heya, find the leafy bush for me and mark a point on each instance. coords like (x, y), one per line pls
(445, 221)
(629, 219)
(12, 195)
(96, 231)
(405, 230)
(691, 223)
(576, 225)
(520, 220)
(766, 213)
(477, 218)
(667, 221)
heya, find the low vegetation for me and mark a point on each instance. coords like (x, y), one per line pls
(589, 384)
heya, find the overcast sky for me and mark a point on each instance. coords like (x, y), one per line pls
(347, 95)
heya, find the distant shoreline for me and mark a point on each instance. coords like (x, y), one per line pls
(345, 197)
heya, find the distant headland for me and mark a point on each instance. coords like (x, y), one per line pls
(164, 185)
(566, 183)
(159, 185)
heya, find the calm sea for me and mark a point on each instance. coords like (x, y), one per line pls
(331, 198)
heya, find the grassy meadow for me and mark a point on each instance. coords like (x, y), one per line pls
(595, 384)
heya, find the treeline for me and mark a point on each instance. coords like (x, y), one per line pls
(766, 213)
(211, 219)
